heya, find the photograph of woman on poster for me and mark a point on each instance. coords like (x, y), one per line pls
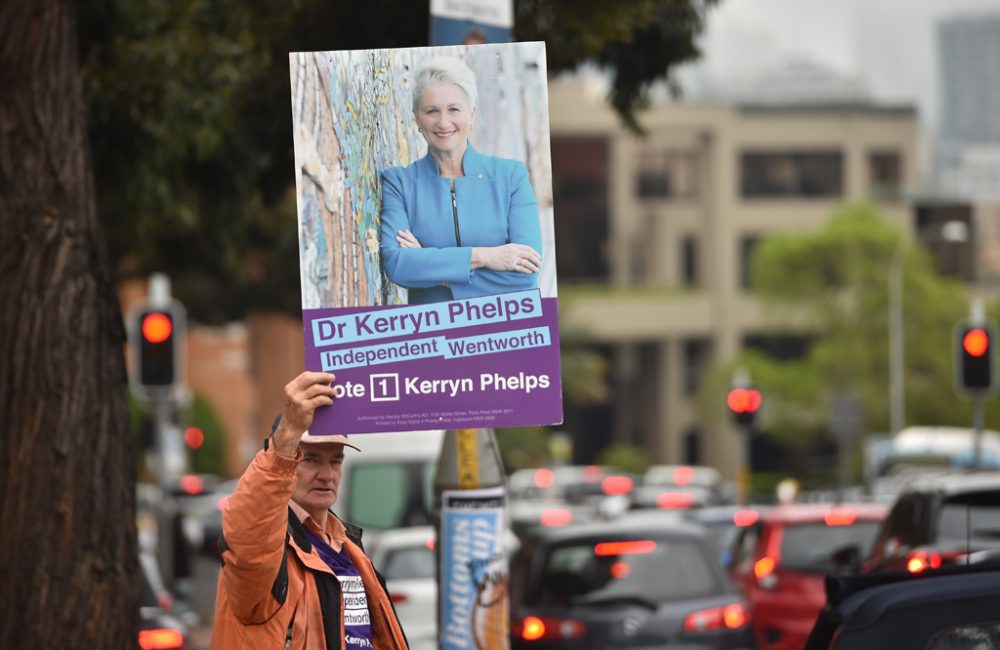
(457, 223)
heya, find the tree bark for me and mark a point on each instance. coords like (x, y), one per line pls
(67, 479)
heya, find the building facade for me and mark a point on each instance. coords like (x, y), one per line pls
(654, 236)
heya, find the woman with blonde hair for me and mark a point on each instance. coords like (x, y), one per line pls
(457, 223)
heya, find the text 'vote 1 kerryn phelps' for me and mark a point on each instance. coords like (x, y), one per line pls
(491, 361)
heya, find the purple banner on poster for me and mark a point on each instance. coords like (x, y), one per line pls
(454, 364)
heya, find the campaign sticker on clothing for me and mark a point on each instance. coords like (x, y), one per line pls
(426, 242)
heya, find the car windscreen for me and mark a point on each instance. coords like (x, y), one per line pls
(957, 519)
(648, 569)
(810, 547)
(409, 563)
(391, 494)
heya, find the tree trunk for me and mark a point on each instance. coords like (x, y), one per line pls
(67, 480)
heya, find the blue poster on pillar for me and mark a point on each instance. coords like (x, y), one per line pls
(473, 569)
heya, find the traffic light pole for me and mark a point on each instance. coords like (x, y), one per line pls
(975, 369)
(167, 509)
(977, 426)
(156, 329)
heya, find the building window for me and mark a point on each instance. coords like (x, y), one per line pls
(747, 246)
(885, 175)
(667, 175)
(580, 194)
(696, 362)
(689, 261)
(798, 174)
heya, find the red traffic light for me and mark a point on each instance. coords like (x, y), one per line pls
(156, 327)
(976, 342)
(194, 437)
(743, 400)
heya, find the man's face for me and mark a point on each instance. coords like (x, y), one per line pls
(317, 477)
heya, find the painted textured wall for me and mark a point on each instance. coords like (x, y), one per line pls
(352, 118)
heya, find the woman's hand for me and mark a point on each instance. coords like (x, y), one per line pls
(509, 257)
(405, 239)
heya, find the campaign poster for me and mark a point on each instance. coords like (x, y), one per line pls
(473, 570)
(426, 249)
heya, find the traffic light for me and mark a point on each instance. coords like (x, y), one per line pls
(744, 403)
(157, 352)
(194, 437)
(156, 331)
(975, 367)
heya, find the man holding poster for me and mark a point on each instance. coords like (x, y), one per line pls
(293, 574)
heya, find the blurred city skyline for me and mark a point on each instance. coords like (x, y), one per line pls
(885, 50)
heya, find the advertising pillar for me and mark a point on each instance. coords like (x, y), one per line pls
(473, 603)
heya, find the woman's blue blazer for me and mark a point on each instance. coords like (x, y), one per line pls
(495, 206)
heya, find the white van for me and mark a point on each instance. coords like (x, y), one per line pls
(390, 482)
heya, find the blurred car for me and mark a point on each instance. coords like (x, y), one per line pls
(159, 627)
(640, 581)
(560, 496)
(723, 524)
(671, 497)
(577, 484)
(390, 483)
(526, 514)
(405, 557)
(202, 515)
(954, 608)
(780, 562)
(939, 521)
(707, 479)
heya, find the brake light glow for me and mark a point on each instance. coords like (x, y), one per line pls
(732, 617)
(160, 639)
(592, 473)
(744, 518)
(165, 601)
(638, 547)
(683, 475)
(555, 517)
(614, 485)
(429, 543)
(840, 517)
(620, 570)
(398, 598)
(921, 560)
(674, 500)
(544, 478)
(763, 567)
(533, 628)
(192, 484)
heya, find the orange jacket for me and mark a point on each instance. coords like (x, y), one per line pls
(273, 586)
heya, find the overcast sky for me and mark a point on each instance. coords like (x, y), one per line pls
(889, 45)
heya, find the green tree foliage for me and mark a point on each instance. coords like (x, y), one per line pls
(639, 41)
(190, 125)
(625, 457)
(522, 447)
(211, 457)
(833, 283)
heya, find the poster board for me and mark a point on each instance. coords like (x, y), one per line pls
(459, 351)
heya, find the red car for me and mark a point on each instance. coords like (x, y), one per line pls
(781, 560)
